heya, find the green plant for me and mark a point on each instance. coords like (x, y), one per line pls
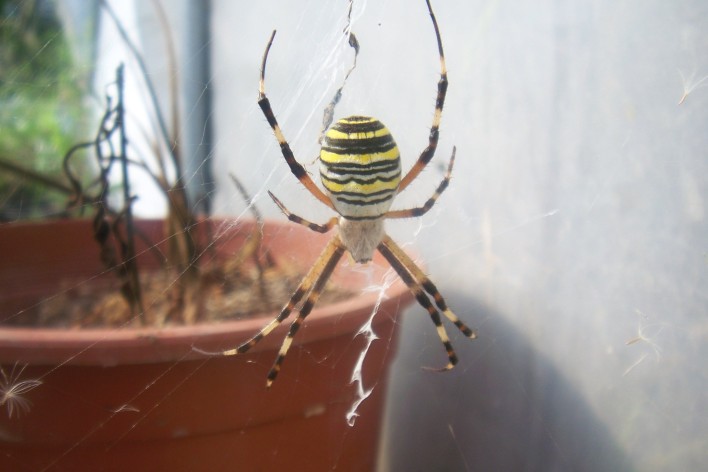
(42, 109)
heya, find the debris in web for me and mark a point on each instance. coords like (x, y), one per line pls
(328, 115)
(690, 84)
(367, 330)
(12, 391)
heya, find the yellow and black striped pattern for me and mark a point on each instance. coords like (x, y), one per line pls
(360, 167)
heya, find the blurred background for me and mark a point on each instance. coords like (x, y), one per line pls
(573, 235)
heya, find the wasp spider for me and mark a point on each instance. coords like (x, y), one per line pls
(360, 169)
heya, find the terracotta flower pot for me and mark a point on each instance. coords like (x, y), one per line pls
(143, 399)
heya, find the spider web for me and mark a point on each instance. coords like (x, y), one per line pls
(572, 236)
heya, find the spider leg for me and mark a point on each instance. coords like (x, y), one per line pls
(295, 167)
(429, 151)
(301, 221)
(385, 248)
(427, 284)
(311, 284)
(321, 272)
(422, 210)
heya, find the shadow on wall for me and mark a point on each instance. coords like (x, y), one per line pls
(505, 407)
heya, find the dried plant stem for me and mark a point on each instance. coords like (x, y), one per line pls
(128, 256)
(7, 165)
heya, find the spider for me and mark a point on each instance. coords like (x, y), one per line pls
(360, 169)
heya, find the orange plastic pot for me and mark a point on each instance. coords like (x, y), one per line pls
(144, 399)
